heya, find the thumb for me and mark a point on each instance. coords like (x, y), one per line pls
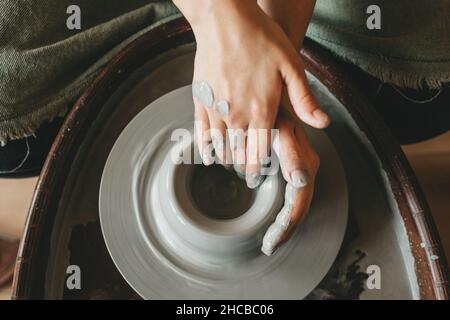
(302, 98)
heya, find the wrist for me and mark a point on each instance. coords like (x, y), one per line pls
(293, 17)
(204, 13)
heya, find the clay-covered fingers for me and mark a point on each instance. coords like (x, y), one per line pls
(299, 164)
(303, 101)
(237, 138)
(258, 153)
(210, 128)
(203, 135)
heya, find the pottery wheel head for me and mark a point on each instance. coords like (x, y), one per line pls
(186, 231)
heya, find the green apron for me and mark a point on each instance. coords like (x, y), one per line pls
(412, 48)
(44, 66)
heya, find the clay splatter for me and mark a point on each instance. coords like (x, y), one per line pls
(203, 92)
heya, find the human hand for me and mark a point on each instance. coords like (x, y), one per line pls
(244, 58)
(299, 164)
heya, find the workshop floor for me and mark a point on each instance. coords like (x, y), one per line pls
(430, 160)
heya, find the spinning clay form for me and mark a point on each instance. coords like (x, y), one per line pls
(187, 231)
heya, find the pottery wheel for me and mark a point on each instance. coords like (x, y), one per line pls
(194, 232)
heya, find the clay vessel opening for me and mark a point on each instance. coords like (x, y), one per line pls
(219, 193)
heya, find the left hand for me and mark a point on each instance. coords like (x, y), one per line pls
(299, 164)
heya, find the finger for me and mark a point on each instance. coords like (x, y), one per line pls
(220, 141)
(302, 98)
(203, 135)
(258, 151)
(237, 138)
(295, 209)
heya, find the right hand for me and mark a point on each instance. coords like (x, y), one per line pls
(247, 59)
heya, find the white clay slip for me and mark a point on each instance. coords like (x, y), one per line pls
(203, 93)
(300, 178)
(223, 107)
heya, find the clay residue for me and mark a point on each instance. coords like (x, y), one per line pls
(343, 282)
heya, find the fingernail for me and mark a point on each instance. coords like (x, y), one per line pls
(254, 180)
(300, 178)
(208, 155)
(321, 116)
(272, 238)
